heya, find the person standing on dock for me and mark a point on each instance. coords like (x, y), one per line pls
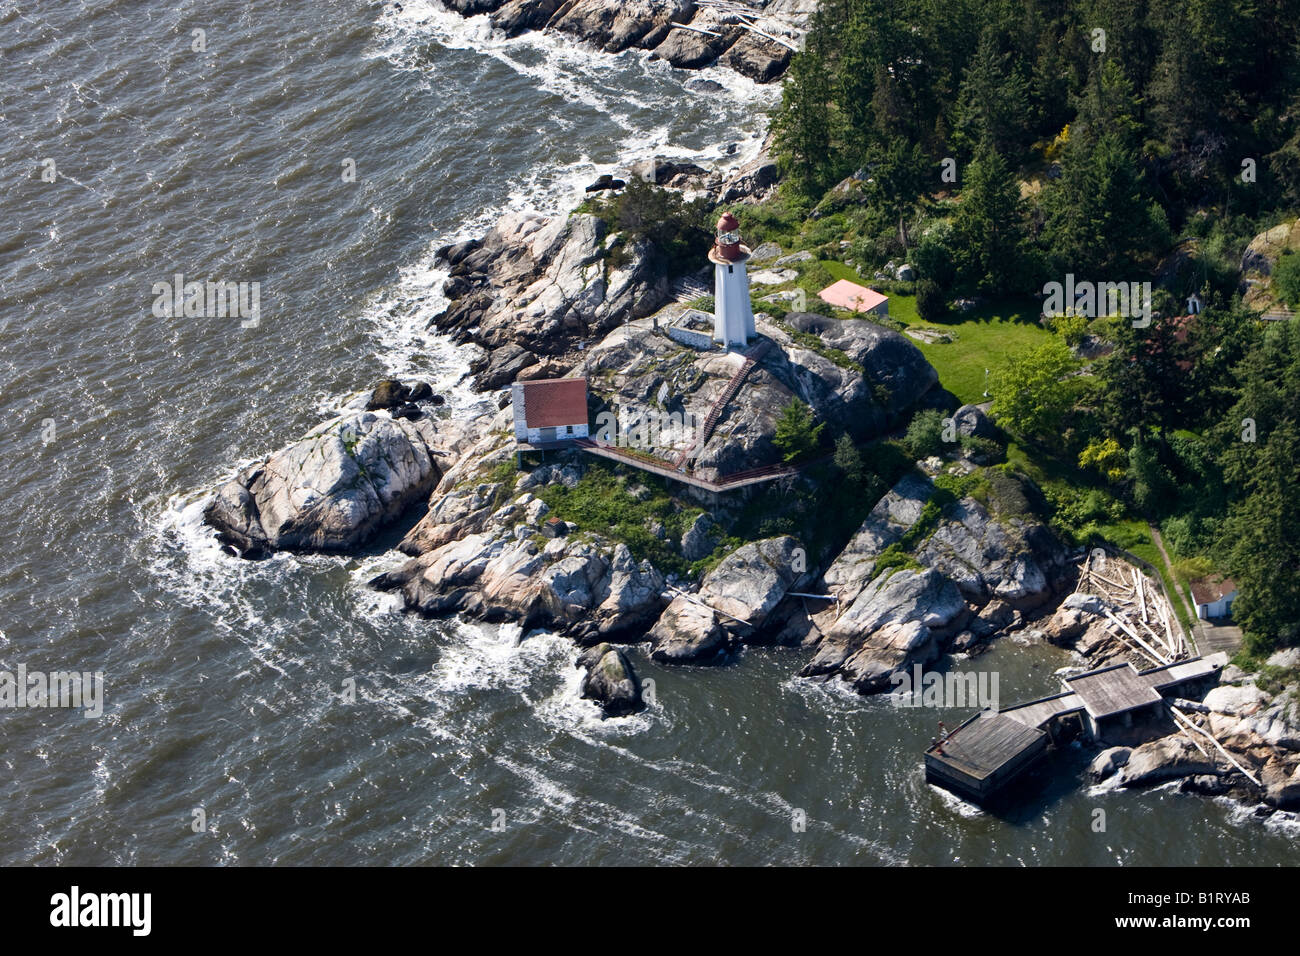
(938, 742)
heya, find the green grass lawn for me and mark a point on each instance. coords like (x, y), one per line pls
(982, 339)
(839, 270)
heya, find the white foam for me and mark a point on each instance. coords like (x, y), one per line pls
(567, 710)
(956, 804)
(399, 316)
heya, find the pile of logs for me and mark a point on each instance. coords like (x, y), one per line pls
(746, 16)
(1143, 619)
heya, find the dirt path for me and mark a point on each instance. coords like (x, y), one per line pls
(1209, 637)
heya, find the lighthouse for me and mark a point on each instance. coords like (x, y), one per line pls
(733, 317)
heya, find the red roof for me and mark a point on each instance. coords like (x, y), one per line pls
(849, 295)
(555, 401)
(1209, 590)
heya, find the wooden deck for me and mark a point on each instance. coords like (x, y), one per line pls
(1113, 690)
(984, 754)
(1036, 713)
(1171, 675)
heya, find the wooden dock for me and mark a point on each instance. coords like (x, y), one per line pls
(984, 754)
(990, 750)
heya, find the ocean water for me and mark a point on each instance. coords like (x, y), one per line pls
(300, 716)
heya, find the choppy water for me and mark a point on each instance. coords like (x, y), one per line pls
(225, 680)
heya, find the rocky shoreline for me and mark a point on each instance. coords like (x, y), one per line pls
(488, 546)
(689, 35)
(953, 555)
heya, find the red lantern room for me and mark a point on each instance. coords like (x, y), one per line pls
(728, 241)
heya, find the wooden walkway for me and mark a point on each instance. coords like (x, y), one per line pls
(738, 479)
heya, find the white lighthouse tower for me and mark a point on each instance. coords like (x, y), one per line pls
(733, 317)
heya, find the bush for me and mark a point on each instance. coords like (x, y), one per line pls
(931, 303)
(925, 434)
(1286, 279)
(1107, 457)
(796, 436)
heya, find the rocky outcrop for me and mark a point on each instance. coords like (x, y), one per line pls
(691, 50)
(689, 633)
(901, 618)
(1165, 759)
(1260, 259)
(331, 490)
(758, 58)
(611, 681)
(641, 372)
(971, 421)
(534, 287)
(698, 540)
(581, 585)
(1247, 713)
(1281, 782)
(519, 16)
(617, 25)
(1109, 762)
(1007, 557)
(733, 603)
(887, 374)
(892, 516)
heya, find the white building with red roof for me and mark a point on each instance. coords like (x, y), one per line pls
(549, 410)
(1213, 597)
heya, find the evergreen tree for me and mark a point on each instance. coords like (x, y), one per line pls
(898, 178)
(796, 436)
(987, 230)
(1262, 534)
(993, 106)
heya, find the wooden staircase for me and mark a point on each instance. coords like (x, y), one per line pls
(688, 289)
(752, 357)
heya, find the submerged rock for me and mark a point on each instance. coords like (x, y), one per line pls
(611, 681)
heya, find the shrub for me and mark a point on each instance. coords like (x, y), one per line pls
(930, 301)
(925, 433)
(1107, 457)
(796, 436)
